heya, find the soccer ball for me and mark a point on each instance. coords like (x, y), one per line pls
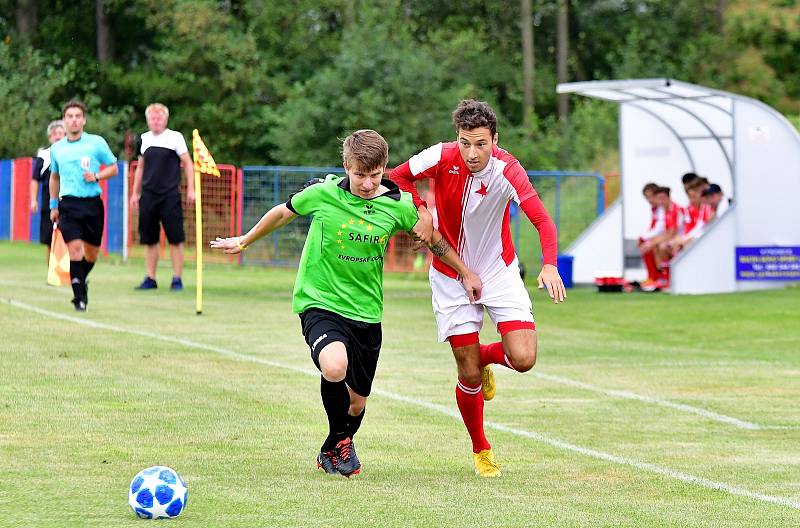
(157, 492)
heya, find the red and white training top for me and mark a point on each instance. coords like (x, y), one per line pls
(673, 218)
(472, 210)
(693, 218)
(657, 223)
(701, 217)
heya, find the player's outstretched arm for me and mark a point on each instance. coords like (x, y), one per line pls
(471, 281)
(275, 218)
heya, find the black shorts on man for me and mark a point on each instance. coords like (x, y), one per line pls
(160, 209)
(81, 219)
(362, 341)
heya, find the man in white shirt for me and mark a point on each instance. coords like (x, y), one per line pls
(156, 193)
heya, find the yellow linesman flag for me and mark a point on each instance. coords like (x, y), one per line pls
(58, 267)
(203, 162)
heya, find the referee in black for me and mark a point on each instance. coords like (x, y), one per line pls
(40, 174)
(157, 193)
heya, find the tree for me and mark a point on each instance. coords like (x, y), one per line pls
(375, 81)
(528, 60)
(26, 18)
(105, 40)
(563, 53)
(29, 81)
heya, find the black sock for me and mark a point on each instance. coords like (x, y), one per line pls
(336, 400)
(87, 267)
(355, 421)
(76, 278)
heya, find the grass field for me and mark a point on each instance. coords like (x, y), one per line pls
(643, 410)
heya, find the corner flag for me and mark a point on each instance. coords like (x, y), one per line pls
(203, 164)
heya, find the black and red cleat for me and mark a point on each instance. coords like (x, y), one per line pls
(327, 462)
(347, 462)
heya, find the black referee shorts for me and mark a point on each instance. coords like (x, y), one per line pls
(81, 219)
(362, 341)
(160, 209)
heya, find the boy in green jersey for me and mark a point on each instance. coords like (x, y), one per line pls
(339, 287)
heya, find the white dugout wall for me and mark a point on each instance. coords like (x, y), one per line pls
(668, 128)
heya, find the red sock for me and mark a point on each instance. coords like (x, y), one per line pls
(470, 403)
(493, 353)
(650, 263)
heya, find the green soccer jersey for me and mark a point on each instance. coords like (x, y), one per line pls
(341, 269)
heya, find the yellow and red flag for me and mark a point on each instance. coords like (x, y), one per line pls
(58, 267)
(203, 164)
(203, 161)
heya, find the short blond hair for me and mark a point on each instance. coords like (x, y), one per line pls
(365, 149)
(156, 107)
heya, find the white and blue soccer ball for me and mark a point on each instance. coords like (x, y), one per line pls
(157, 492)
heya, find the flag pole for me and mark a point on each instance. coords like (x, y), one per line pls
(203, 164)
(198, 235)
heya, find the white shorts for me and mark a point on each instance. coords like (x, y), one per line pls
(504, 296)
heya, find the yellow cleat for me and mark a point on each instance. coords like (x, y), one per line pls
(488, 384)
(485, 466)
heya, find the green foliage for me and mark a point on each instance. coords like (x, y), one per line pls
(759, 50)
(375, 81)
(279, 82)
(206, 68)
(29, 79)
(551, 145)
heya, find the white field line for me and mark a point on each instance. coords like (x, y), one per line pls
(441, 409)
(628, 395)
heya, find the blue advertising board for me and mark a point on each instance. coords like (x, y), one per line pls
(768, 263)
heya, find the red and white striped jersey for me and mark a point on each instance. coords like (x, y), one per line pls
(472, 210)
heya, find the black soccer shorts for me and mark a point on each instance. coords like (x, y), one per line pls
(362, 341)
(160, 209)
(81, 219)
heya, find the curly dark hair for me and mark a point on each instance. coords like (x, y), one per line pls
(471, 114)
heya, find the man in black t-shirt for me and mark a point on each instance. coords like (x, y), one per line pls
(156, 193)
(40, 174)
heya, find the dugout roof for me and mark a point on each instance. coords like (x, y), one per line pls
(669, 127)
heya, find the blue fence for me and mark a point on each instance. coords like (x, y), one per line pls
(115, 211)
(115, 207)
(264, 187)
(5, 199)
(574, 200)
